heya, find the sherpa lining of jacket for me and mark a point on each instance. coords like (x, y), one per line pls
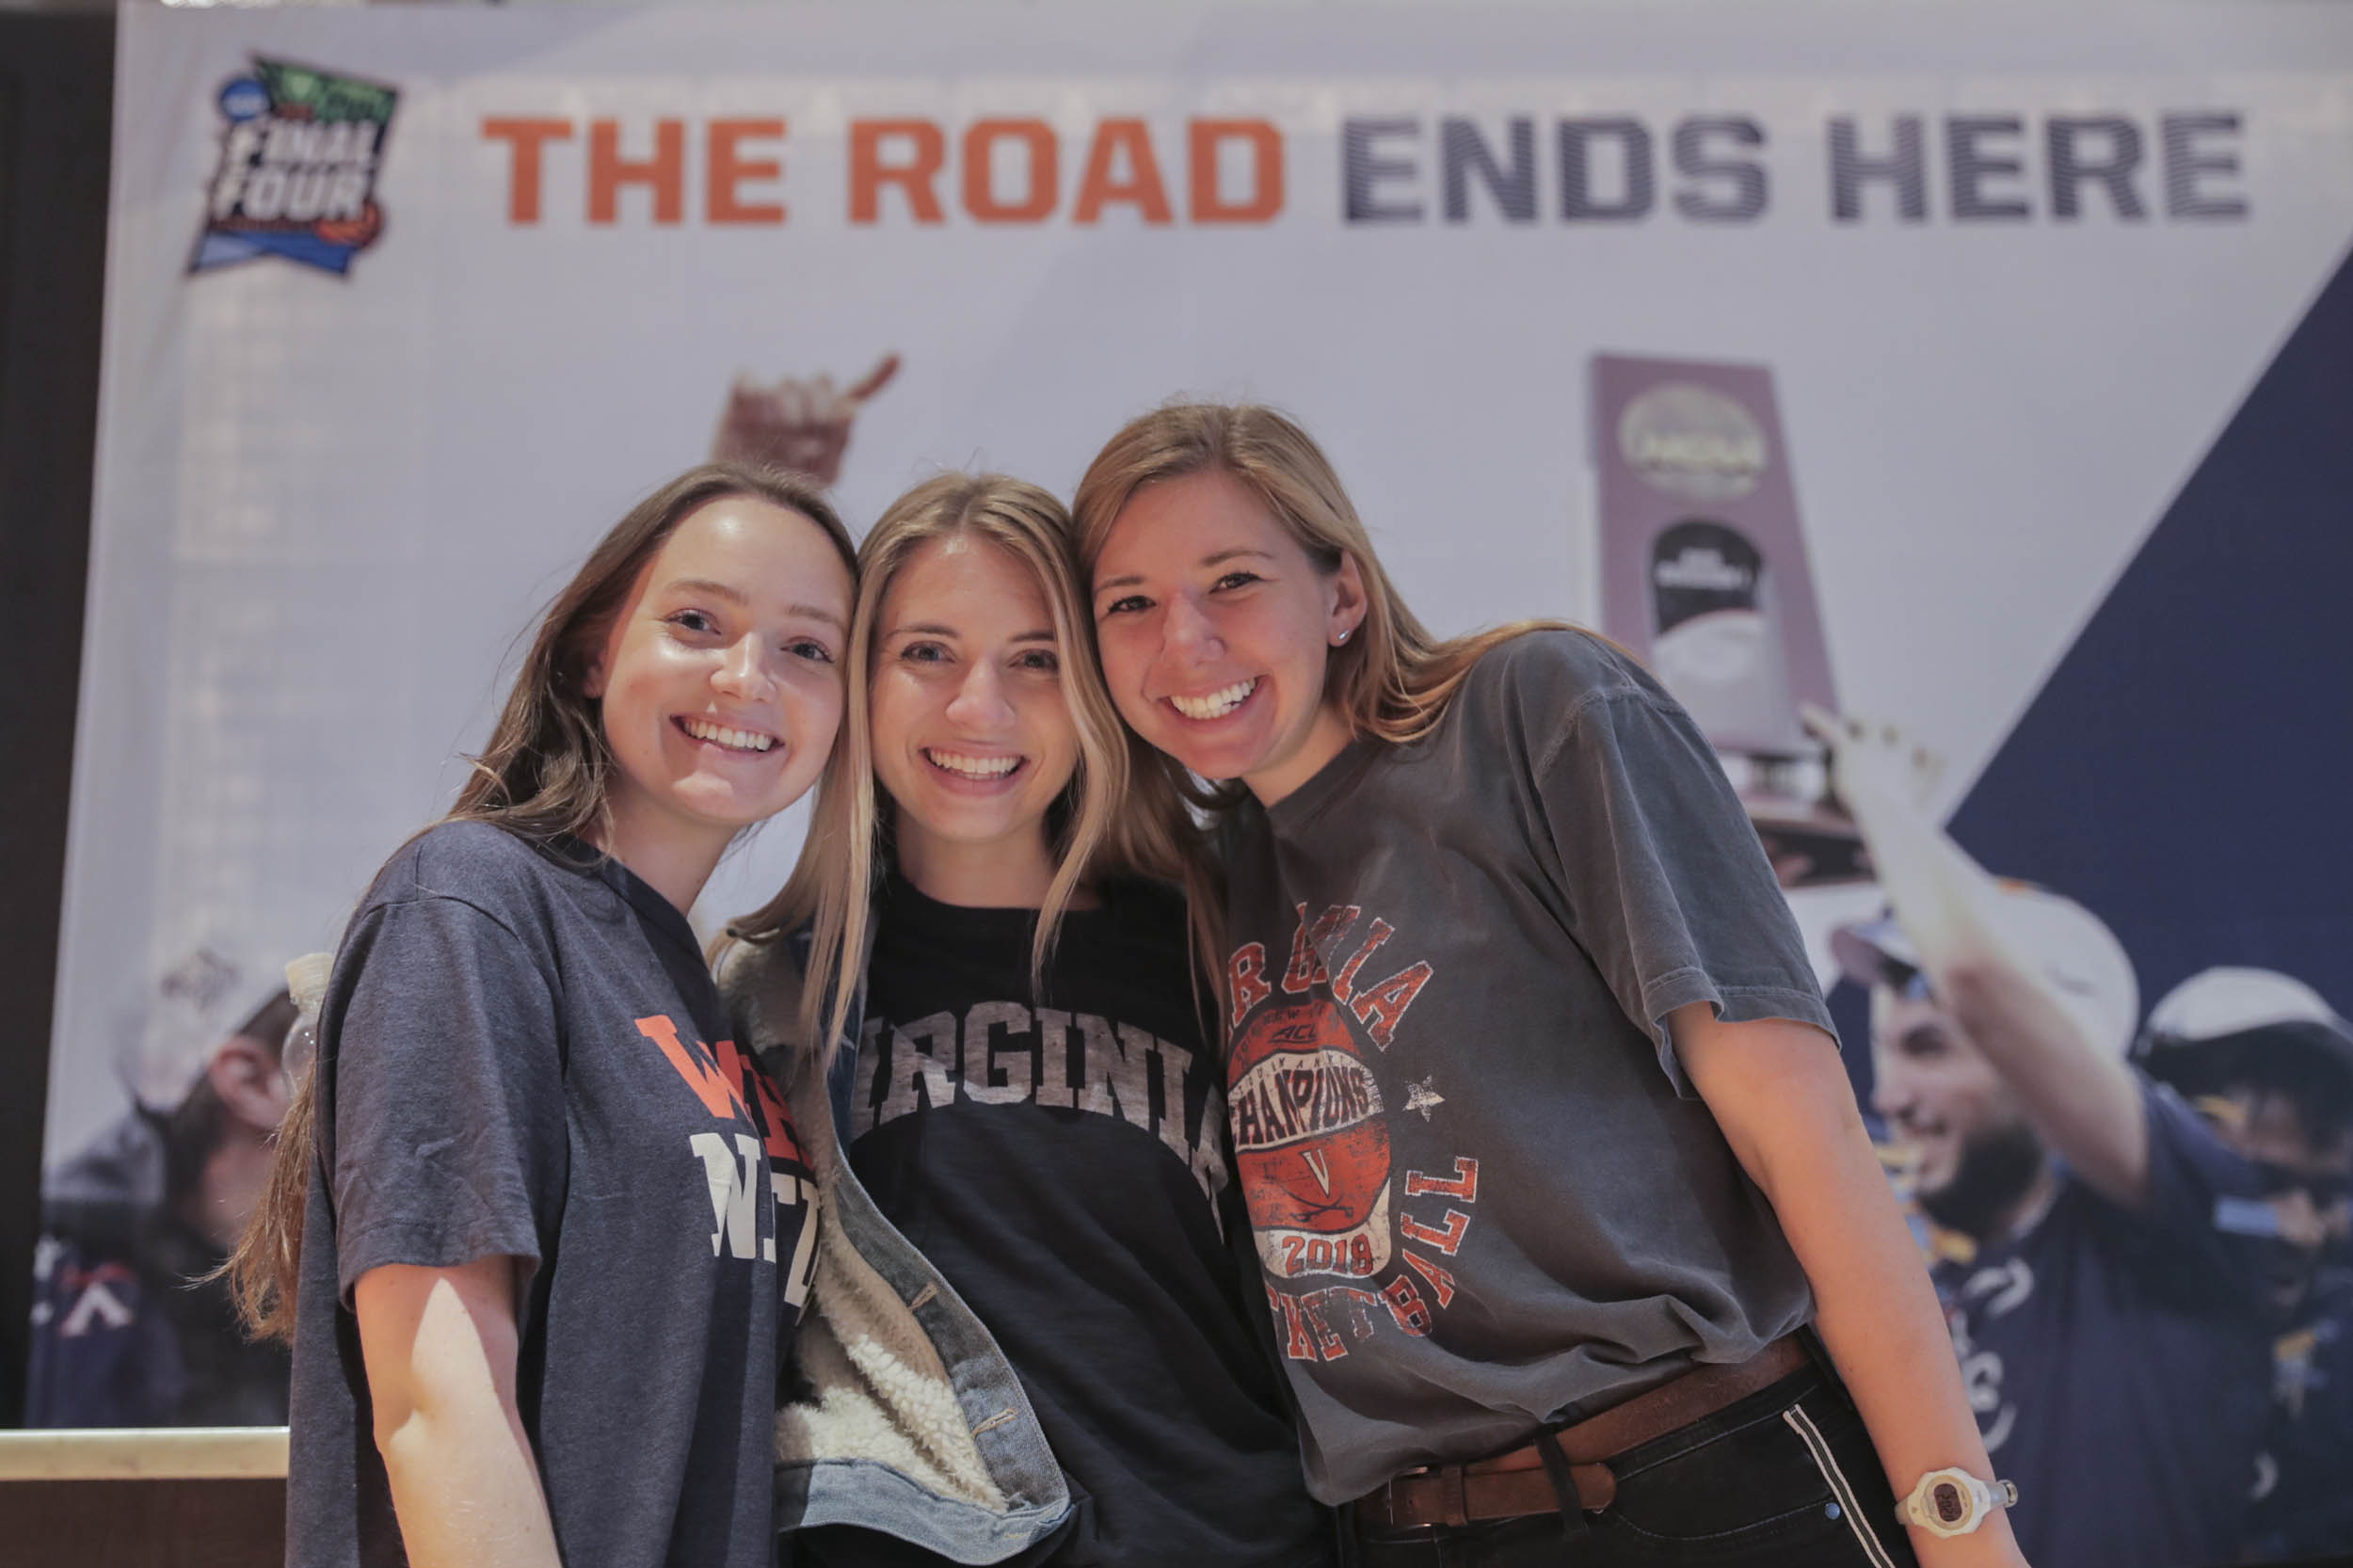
(881, 1391)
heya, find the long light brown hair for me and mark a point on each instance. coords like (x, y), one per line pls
(1112, 819)
(545, 775)
(1392, 680)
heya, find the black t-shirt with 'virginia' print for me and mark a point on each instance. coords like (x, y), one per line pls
(1060, 1159)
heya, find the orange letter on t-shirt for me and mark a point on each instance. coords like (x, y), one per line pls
(713, 1086)
(755, 1085)
(1266, 171)
(1381, 1008)
(526, 138)
(729, 169)
(665, 171)
(1246, 979)
(868, 173)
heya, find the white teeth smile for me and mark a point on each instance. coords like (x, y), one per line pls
(735, 740)
(971, 767)
(1217, 704)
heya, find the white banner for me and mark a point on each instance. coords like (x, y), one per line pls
(407, 305)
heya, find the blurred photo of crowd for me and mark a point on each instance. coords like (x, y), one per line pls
(131, 1325)
(2137, 1222)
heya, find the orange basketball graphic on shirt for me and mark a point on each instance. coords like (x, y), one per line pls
(1311, 1144)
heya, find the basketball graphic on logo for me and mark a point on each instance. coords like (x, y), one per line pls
(1310, 1143)
(353, 231)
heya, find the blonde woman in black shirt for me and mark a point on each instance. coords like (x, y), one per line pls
(1022, 1072)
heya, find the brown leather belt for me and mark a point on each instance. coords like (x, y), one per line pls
(1514, 1484)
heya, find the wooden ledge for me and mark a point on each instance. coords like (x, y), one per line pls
(182, 1453)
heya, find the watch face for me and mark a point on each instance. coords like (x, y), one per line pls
(1950, 1505)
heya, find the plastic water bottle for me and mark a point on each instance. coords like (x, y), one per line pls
(306, 982)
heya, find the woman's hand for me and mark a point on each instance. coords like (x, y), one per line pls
(439, 1348)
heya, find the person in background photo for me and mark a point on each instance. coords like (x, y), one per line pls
(131, 1327)
(802, 426)
(2270, 1063)
(2116, 1340)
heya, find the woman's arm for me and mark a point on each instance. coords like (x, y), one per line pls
(439, 1348)
(1780, 1096)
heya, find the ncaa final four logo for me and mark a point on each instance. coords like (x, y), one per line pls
(300, 152)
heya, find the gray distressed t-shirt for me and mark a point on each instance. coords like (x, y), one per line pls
(521, 1054)
(1484, 1195)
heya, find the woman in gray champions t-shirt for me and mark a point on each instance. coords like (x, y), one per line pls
(1531, 1088)
(535, 1227)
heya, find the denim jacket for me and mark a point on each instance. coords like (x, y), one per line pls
(908, 1418)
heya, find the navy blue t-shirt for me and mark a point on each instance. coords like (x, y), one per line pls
(2120, 1364)
(2304, 1485)
(130, 1326)
(521, 1054)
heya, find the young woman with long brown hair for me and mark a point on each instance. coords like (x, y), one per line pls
(1023, 1150)
(1551, 1162)
(535, 1225)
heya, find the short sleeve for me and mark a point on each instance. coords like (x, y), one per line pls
(2206, 1219)
(449, 1129)
(1666, 884)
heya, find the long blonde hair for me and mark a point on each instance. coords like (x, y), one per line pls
(1112, 819)
(1393, 680)
(546, 772)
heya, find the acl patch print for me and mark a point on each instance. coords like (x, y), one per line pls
(1312, 1126)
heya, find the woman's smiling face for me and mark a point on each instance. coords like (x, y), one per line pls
(720, 681)
(1215, 627)
(972, 734)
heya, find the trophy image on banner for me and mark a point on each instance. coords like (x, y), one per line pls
(1704, 577)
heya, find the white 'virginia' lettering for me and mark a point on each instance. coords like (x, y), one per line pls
(1004, 1053)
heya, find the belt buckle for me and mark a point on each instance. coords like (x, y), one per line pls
(1389, 1499)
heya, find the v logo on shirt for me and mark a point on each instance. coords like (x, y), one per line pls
(735, 1091)
(728, 1084)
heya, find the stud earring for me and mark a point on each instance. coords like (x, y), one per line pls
(1343, 638)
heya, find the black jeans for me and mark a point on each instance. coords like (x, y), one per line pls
(1784, 1479)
